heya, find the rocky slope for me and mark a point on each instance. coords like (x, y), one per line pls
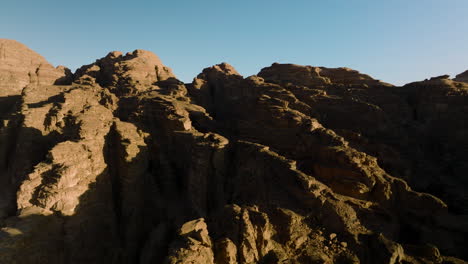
(123, 163)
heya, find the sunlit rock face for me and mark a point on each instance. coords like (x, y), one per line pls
(123, 163)
(20, 67)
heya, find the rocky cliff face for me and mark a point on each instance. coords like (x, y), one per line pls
(123, 163)
(20, 66)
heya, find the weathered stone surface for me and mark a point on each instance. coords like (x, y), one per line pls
(193, 245)
(137, 70)
(20, 67)
(316, 76)
(300, 164)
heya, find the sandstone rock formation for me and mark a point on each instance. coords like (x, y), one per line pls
(462, 77)
(20, 66)
(300, 164)
(136, 71)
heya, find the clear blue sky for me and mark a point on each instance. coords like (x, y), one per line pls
(397, 41)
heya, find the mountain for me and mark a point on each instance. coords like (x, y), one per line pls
(120, 162)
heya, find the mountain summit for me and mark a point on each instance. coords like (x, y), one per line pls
(120, 162)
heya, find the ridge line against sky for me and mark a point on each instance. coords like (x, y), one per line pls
(394, 41)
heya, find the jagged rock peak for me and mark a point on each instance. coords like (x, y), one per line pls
(137, 70)
(441, 77)
(442, 82)
(316, 76)
(226, 68)
(10, 49)
(21, 66)
(301, 164)
(144, 54)
(462, 77)
(223, 69)
(114, 54)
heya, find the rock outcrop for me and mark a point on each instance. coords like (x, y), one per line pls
(462, 77)
(136, 71)
(20, 66)
(123, 163)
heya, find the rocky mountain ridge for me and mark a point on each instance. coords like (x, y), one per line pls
(121, 162)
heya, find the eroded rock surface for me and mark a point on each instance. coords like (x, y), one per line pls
(20, 66)
(299, 164)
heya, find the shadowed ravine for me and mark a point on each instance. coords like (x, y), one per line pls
(121, 162)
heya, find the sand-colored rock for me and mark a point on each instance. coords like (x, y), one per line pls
(20, 67)
(300, 164)
(138, 70)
